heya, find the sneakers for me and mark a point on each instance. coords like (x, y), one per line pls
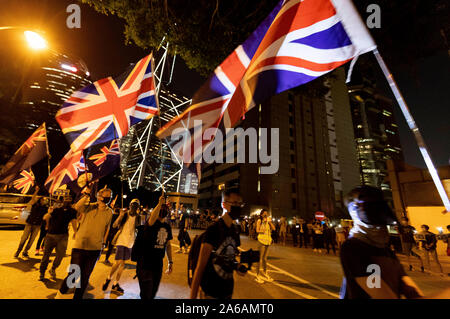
(117, 288)
(52, 273)
(259, 279)
(37, 252)
(267, 278)
(25, 254)
(106, 284)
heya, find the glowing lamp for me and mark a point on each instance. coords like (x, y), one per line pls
(35, 41)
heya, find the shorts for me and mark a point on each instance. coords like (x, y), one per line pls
(123, 253)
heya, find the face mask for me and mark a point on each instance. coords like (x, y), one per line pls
(106, 200)
(235, 212)
(374, 213)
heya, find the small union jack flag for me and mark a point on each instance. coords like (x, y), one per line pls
(106, 109)
(40, 135)
(100, 158)
(67, 171)
(25, 181)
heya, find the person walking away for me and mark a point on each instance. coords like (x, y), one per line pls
(213, 275)
(264, 226)
(33, 223)
(183, 235)
(156, 242)
(58, 219)
(111, 234)
(127, 223)
(409, 242)
(89, 240)
(283, 229)
(367, 245)
(329, 237)
(429, 246)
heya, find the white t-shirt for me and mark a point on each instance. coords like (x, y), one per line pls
(127, 236)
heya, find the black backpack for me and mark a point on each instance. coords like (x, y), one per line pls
(194, 252)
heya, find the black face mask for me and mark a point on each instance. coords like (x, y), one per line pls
(376, 213)
(106, 200)
(235, 212)
(133, 209)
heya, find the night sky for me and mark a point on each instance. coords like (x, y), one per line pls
(100, 43)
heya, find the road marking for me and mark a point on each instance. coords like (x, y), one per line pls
(304, 281)
(298, 293)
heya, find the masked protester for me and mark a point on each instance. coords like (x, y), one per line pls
(264, 227)
(153, 242)
(95, 219)
(57, 219)
(370, 267)
(213, 276)
(127, 222)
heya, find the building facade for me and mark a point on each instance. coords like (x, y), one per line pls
(376, 133)
(317, 158)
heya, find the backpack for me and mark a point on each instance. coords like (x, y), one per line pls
(194, 252)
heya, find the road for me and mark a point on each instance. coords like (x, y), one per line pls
(299, 273)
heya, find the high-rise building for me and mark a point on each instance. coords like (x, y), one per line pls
(376, 133)
(158, 166)
(317, 158)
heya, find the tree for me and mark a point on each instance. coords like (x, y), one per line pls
(204, 32)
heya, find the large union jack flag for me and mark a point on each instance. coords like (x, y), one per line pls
(24, 181)
(299, 41)
(67, 171)
(105, 109)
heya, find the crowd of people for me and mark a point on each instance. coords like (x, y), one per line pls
(144, 236)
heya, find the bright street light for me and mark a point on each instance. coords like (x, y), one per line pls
(35, 41)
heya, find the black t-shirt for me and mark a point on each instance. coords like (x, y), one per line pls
(356, 256)
(183, 220)
(217, 280)
(37, 213)
(407, 233)
(155, 240)
(60, 219)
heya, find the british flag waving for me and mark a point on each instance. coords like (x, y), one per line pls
(25, 181)
(299, 41)
(67, 171)
(106, 109)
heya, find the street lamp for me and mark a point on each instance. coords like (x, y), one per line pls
(35, 41)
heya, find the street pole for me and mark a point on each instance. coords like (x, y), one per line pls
(413, 127)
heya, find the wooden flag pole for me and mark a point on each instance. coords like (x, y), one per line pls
(413, 127)
(48, 158)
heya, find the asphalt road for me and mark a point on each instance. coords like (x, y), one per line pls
(299, 273)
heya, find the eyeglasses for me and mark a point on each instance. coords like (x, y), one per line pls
(240, 204)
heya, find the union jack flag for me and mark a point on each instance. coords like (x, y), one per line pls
(299, 41)
(105, 109)
(100, 158)
(67, 171)
(24, 181)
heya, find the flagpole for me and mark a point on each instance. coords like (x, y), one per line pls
(48, 157)
(412, 125)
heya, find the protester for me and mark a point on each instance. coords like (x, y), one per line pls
(303, 233)
(367, 245)
(213, 276)
(329, 238)
(429, 243)
(183, 235)
(58, 218)
(294, 230)
(317, 236)
(264, 226)
(283, 229)
(91, 235)
(127, 222)
(33, 223)
(111, 234)
(409, 242)
(151, 246)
